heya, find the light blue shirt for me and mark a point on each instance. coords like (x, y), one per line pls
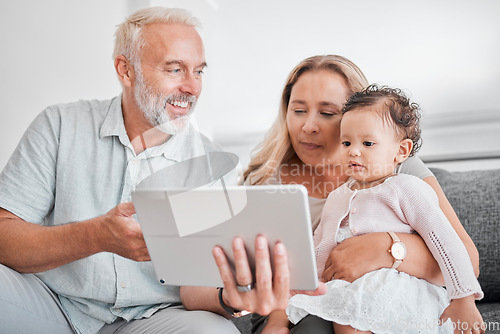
(75, 162)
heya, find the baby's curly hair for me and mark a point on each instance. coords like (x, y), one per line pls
(396, 108)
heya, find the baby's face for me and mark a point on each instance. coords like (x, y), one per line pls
(369, 145)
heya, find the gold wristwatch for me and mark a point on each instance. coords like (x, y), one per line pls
(397, 250)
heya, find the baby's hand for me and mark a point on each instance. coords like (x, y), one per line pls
(464, 315)
(277, 323)
(275, 329)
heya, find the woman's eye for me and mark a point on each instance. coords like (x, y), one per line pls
(327, 114)
(368, 143)
(299, 111)
(346, 143)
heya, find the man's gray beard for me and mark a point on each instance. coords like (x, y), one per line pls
(153, 106)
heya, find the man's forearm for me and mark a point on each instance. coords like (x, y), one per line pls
(202, 298)
(31, 248)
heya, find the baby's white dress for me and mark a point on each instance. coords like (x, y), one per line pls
(382, 301)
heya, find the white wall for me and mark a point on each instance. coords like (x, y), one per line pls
(444, 53)
(53, 51)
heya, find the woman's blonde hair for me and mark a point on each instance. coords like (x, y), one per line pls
(128, 40)
(276, 148)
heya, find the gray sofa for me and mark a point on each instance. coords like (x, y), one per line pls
(475, 196)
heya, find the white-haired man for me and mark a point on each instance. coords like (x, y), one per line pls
(65, 210)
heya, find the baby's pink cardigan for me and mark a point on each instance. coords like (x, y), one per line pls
(403, 204)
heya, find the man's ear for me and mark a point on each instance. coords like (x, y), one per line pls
(405, 147)
(125, 70)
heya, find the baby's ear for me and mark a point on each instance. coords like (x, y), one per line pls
(405, 147)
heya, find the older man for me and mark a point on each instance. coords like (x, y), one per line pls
(65, 211)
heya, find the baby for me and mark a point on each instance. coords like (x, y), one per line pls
(379, 130)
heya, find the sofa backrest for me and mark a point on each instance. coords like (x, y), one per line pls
(475, 196)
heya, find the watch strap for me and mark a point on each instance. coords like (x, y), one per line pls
(394, 237)
(229, 310)
(396, 264)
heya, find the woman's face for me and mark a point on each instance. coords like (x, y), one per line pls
(313, 117)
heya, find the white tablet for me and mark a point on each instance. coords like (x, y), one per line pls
(182, 226)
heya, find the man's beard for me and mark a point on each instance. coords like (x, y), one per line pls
(153, 105)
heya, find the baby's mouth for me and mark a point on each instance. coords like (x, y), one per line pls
(354, 164)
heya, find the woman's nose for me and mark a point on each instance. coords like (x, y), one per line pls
(311, 124)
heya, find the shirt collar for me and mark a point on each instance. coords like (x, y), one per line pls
(185, 145)
(113, 124)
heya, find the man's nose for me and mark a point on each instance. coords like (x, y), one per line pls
(191, 84)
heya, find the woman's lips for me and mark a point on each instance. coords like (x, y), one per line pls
(309, 146)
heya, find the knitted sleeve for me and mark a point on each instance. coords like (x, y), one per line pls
(420, 205)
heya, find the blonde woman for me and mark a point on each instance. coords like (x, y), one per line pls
(302, 147)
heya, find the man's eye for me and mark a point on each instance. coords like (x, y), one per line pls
(368, 143)
(346, 143)
(174, 71)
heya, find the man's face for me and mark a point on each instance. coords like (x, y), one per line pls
(169, 76)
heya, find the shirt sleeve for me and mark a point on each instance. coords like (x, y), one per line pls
(27, 183)
(420, 206)
(414, 166)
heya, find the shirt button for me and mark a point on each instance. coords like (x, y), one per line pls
(123, 284)
(354, 230)
(353, 210)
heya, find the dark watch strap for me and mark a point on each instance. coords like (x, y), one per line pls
(231, 311)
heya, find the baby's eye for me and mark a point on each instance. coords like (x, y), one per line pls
(346, 143)
(368, 143)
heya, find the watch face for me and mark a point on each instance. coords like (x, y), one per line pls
(398, 250)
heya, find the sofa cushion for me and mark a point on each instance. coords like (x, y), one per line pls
(475, 196)
(491, 314)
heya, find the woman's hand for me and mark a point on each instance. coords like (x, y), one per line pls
(362, 254)
(270, 292)
(357, 256)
